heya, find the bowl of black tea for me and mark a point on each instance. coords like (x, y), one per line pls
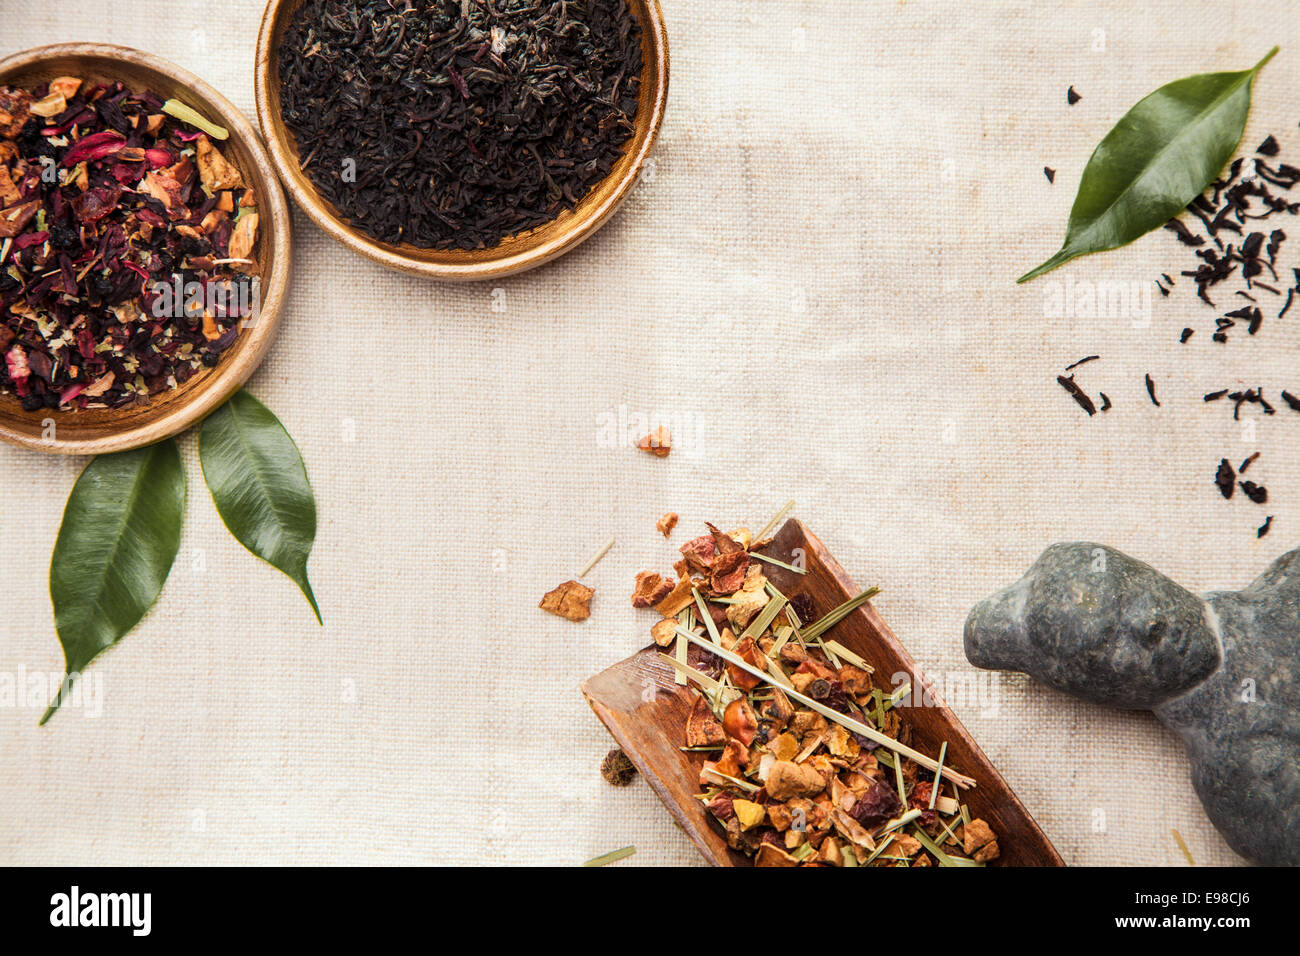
(461, 139)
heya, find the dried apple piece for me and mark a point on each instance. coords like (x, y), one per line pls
(571, 601)
(658, 443)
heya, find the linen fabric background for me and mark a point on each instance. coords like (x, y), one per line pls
(815, 287)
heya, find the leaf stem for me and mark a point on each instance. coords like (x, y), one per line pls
(1267, 56)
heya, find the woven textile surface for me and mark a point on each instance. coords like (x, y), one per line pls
(814, 286)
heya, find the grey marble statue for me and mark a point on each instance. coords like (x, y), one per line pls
(1222, 672)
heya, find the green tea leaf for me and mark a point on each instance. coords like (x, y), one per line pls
(121, 529)
(259, 486)
(1160, 156)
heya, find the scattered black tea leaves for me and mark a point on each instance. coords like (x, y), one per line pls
(1050, 173)
(1160, 156)
(1235, 256)
(1263, 529)
(1079, 395)
(1225, 478)
(1185, 235)
(1071, 96)
(1151, 391)
(1256, 493)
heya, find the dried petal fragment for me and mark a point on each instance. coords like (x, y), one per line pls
(571, 601)
(95, 146)
(667, 523)
(878, 804)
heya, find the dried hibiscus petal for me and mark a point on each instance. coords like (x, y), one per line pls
(93, 147)
(878, 804)
(19, 371)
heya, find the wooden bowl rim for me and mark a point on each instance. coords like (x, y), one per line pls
(478, 264)
(202, 395)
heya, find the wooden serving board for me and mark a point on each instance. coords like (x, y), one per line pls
(645, 710)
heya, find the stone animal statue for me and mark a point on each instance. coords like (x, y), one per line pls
(1222, 671)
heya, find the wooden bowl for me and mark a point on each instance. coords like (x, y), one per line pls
(96, 431)
(652, 731)
(515, 253)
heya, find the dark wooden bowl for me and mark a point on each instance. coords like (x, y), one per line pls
(515, 253)
(96, 431)
(651, 732)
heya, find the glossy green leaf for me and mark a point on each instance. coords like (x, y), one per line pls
(121, 529)
(1163, 154)
(260, 487)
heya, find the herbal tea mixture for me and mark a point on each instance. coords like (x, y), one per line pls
(454, 124)
(113, 214)
(806, 760)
